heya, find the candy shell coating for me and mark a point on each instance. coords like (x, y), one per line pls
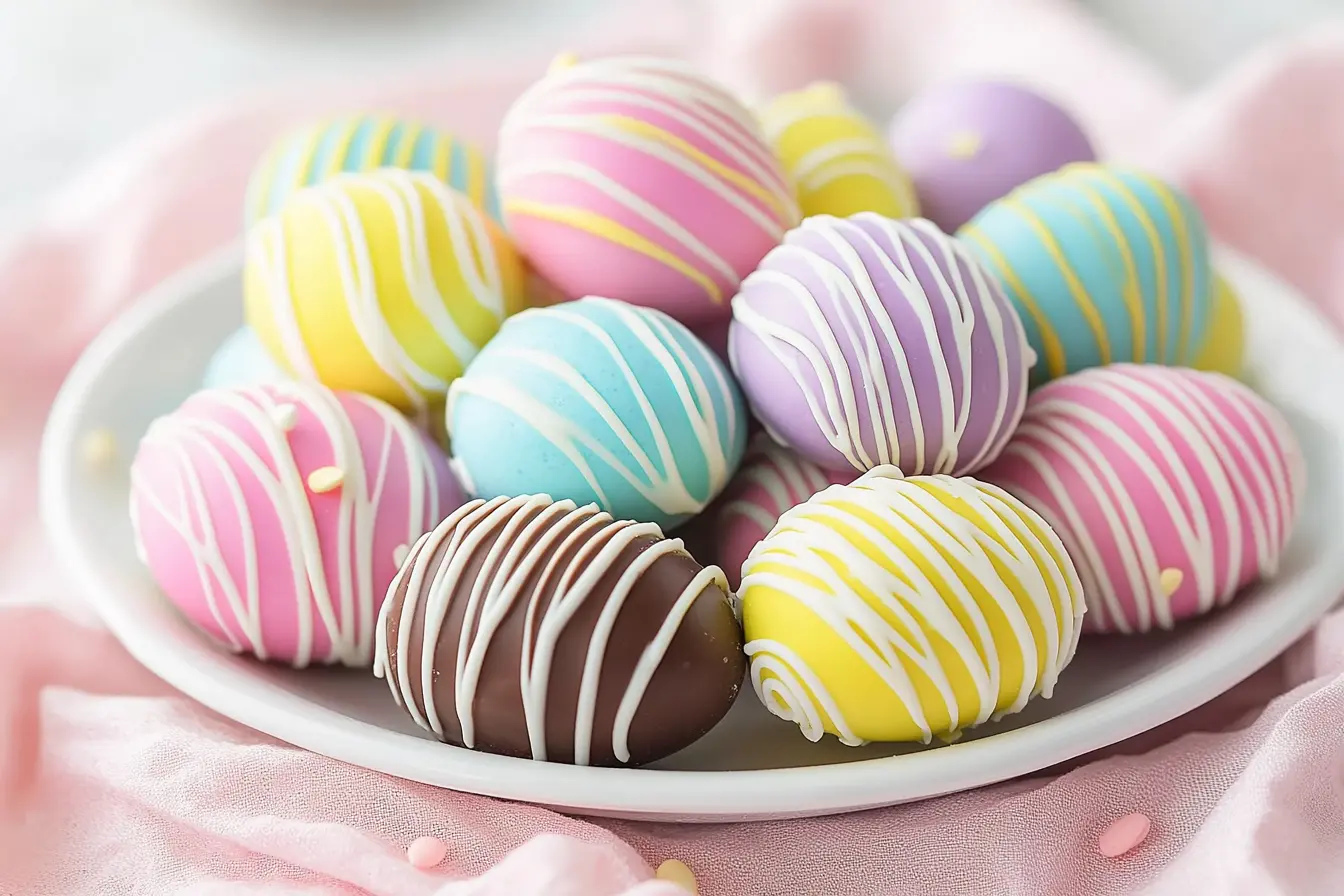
(1152, 476)
(386, 283)
(599, 401)
(639, 179)
(225, 520)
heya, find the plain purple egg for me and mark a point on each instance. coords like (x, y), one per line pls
(966, 144)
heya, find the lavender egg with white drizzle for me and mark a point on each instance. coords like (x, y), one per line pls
(867, 341)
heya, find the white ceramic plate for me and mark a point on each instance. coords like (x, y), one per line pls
(752, 766)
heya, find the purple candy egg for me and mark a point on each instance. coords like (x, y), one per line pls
(966, 144)
(864, 340)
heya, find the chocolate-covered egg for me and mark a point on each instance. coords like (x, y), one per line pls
(537, 628)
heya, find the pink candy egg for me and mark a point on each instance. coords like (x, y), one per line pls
(1170, 488)
(275, 516)
(638, 179)
(771, 480)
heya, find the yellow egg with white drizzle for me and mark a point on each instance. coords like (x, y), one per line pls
(839, 161)
(386, 282)
(896, 609)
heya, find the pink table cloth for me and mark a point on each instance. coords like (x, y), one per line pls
(111, 784)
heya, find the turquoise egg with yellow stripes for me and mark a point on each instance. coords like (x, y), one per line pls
(324, 149)
(1104, 264)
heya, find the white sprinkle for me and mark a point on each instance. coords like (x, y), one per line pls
(399, 554)
(325, 479)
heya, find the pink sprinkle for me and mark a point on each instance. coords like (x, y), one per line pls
(426, 852)
(1123, 834)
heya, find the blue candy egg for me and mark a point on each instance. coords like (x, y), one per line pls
(365, 143)
(242, 361)
(598, 401)
(1104, 264)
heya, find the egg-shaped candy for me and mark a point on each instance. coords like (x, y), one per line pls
(1171, 488)
(386, 283)
(639, 179)
(241, 360)
(837, 158)
(896, 609)
(864, 341)
(599, 401)
(1105, 264)
(539, 629)
(315, 152)
(967, 143)
(276, 516)
(1224, 349)
(771, 480)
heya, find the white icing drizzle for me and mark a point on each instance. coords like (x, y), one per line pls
(654, 475)
(583, 543)
(786, 478)
(200, 450)
(866, 325)
(469, 242)
(582, 99)
(1168, 410)
(990, 531)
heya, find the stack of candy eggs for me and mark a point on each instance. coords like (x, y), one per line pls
(972, 439)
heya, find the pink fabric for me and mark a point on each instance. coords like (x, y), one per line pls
(110, 784)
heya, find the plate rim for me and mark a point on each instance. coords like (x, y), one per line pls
(662, 794)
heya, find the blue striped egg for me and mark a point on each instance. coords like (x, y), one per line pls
(364, 143)
(1104, 264)
(598, 401)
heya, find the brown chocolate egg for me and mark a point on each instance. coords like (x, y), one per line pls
(537, 628)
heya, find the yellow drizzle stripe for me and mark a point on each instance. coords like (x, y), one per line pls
(476, 188)
(336, 161)
(1181, 228)
(1054, 350)
(1159, 257)
(410, 135)
(304, 175)
(736, 178)
(1076, 288)
(1130, 289)
(608, 229)
(442, 158)
(378, 144)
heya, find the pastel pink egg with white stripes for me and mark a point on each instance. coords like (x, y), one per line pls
(276, 516)
(637, 178)
(1171, 488)
(771, 480)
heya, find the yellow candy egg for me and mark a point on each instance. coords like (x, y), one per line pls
(837, 158)
(387, 282)
(1224, 349)
(898, 609)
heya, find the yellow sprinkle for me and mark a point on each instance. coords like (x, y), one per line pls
(1170, 580)
(563, 61)
(285, 416)
(676, 872)
(965, 145)
(324, 479)
(99, 448)
(399, 554)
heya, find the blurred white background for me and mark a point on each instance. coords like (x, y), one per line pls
(78, 76)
